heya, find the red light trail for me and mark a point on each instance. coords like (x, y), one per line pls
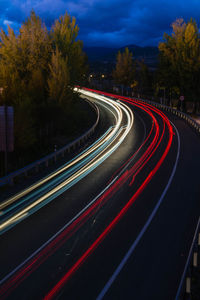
(89, 251)
(55, 244)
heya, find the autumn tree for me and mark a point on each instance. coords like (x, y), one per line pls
(64, 35)
(38, 70)
(180, 59)
(9, 73)
(24, 58)
(66, 68)
(36, 51)
(124, 71)
(58, 80)
(144, 78)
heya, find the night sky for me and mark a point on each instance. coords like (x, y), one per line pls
(112, 23)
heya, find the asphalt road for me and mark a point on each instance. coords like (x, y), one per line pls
(143, 255)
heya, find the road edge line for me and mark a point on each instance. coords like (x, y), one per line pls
(140, 235)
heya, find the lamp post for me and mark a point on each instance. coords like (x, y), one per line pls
(1, 91)
(3, 131)
(182, 99)
(4, 134)
(6, 130)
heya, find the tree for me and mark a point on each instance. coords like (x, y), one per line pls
(25, 131)
(22, 56)
(145, 78)
(180, 59)
(24, 60)
(35, 47)
(58, 81)
(38, 70)
(64, 37)
(124, 71)
(9, 57)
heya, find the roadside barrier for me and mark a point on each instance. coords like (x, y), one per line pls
(191, 122)
(51, 158)
(192, 266)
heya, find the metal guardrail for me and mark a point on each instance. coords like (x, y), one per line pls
(10, 178)
(185, 286)
(184, 289)
(190, 121)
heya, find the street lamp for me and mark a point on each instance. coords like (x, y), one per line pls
(1, 92)
(6, 129)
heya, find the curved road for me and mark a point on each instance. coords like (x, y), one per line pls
(131, 241)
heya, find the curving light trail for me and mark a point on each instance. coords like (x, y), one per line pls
(71, 173)
(60, 285)
(12, 280)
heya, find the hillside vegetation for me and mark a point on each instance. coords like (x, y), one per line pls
(38, 70)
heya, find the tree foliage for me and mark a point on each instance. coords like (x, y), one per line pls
(38, 70)
(124, 71)
(64, 36)
(59, 79)
(144, 79)
(179, 67)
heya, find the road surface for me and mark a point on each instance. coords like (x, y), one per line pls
(121, 232)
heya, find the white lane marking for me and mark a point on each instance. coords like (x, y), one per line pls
(139, 237)
(73, 161)
(180, 287)
(56, 234)
(72, 220)
(84, 171)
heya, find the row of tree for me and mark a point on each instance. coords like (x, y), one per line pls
(178, 71)
(38, 70)
(132, 73)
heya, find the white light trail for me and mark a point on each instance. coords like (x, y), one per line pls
(107, 146)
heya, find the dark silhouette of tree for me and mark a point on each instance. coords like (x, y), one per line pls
(179, 67)
(38, 71)
(124, 72)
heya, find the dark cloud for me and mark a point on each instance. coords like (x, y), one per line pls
(106, 22)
